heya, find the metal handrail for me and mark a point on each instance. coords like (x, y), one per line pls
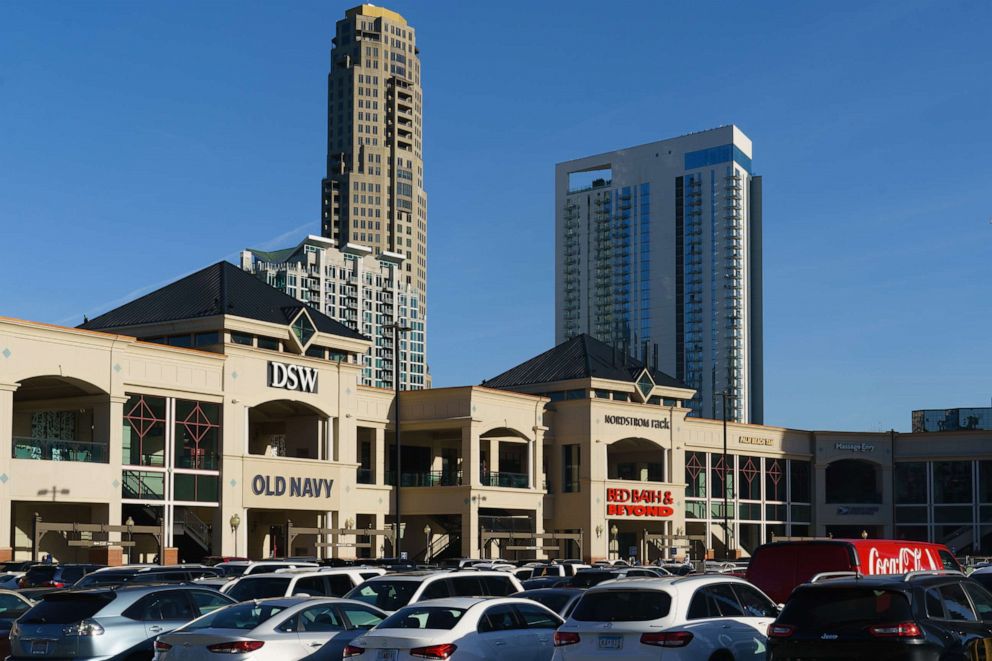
(54, 449)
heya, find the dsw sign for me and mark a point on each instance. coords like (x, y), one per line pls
(293, 377)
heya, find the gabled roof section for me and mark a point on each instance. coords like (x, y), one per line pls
(221, 288)
(581, 357)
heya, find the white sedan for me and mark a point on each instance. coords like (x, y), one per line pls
(466, 628)
(283, 629)
(709, 616)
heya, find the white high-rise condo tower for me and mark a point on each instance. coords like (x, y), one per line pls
(658, 251)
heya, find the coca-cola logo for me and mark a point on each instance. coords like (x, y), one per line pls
(906, 560)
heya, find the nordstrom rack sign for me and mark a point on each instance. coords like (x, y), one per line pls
(292, 377)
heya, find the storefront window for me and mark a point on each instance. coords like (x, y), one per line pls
(143, 433)
(911, 482)
(774, 530)
(914, 533)
(911, 514)
(853, 481)
(570, 468)
(952, 481)
(750, 536)
(695, 474)
(775, 479)
(958, 538)
(196, 488)
(985, 481)
(722, 474)
(197, 434)
(800, 481)
(749, 477)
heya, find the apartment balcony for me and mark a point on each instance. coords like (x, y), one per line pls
(49, 449)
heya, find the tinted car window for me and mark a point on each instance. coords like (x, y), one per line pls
(702, 606)
(11, 606)
(423, 617)
(340, 584)
(956, 603)
(983, 578)
(467, 586)
(553, 600)
(259, 588)
(755, 604)
(498, 586)
(104, 578)
(65, 608)
(161, 577)
(981, 598)
(70, 575)
(360, 618)
(312, 585)
(168, 605)
(40, 573)
(587, 579)
(435, 590)
(948, 561)
(207, 602)
(935, 605)
(839, 606)
(726, 600)
(499, 618)
(387, 595)
(238, 616)
(622, 606)
(320, 618)
(536, 618)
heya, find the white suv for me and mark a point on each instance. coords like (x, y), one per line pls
(712, 617)
(330, 582)
(393, 592)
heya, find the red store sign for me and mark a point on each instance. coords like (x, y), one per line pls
(639, 502)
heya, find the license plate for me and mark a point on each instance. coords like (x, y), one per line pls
(386, 655)
(610, 642)
(39, 647)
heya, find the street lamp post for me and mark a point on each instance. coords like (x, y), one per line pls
(614, 545)
(235, 521)
(726, 471)
(397, 329)
(427, 534)
(130, 538)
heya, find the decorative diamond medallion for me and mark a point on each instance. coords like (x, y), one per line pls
(3, 478)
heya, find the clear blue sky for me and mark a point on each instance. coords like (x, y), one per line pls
(140, 141)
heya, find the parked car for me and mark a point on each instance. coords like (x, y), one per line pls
(560, 600)
(932, 614)
(284, 629)
(779, 567)
(12, 606)
(469, 628)
(8, 580)
(54, 576)
(145, 574)
(17, 565)
(105, 623)
(394, 591)
(705, 616)
(326, 582)
(545, 582)
(563, 570)
(586, 578)
(249, 567)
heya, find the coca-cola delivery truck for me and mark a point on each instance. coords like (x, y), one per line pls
(779, 567)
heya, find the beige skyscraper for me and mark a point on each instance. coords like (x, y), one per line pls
(373, 194)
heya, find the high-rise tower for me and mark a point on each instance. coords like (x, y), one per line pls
(373, 193)
(660, 244)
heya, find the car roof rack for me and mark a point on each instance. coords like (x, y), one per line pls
(931, 572)
(827, 575)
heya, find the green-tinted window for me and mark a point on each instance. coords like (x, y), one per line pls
(269, 343)
(242, 338)
(197, 435)
(195, 488)
(303, 328)
(143, 433)
(206, 339)
(645, 385)
(143, 485)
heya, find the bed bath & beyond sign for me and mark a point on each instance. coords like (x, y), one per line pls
(299, 487)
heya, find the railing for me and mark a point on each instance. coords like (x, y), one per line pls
(50, 449)
(194, 527)
(135, 487)
(426, 479)
(508, 480)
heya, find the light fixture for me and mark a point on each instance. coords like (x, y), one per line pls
(349, 523)
(864, 534)
(130, 522)
(235, 521)
(614, 530)
(599, 530)
(427, 530)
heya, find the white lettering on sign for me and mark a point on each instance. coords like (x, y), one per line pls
(293, 377)
(906, 560)
(855, 447)
(755, 440)
(630, 421)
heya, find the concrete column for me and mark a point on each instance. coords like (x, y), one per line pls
(379, 456)
(380, 549)
(347, 440)
(6, 448)
(537, 459)
(470, 528)
(493, 447)
(470, 460)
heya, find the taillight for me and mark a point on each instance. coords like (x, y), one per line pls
(237, 647)
(162, 647)
(563, 638)
(351, 650)
(780, 630)
(434, 651)
(22, 582)
(57, 584)
(667, 638)
(901, 630)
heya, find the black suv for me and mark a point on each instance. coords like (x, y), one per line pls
(933, 615)
(54, 576)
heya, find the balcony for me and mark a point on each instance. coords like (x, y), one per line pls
(46, 449)
(505, 480)
(426, 479)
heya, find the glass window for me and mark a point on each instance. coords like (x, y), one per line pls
(320, 618)
(360, 618)
(808, 608)
(726, 600)
(695, 474)
(570, 468)
(956, 603)
(169, 605)
(702, 607)
(436, 590)
(195, 488)
(424, 617)
(239, 616)
(242, 338)
(197, 434)
(499, 618)
(537, 618)
(269, 343)
(142, 485)
(981, 598)
(755, 604)
(952, 481)
(206, 339)
(311, 585)
(800, 481)
(935, 605)
(66, 608)
(208, 602)
(497, 586)
(143, 433)
(339, 584)
(775, 479)
(622, 606)
(389, 595)
(749, 477)
(261, 587)
(467, 586)
(720, 473)
(911, 482)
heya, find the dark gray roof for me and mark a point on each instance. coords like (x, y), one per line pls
(221, 288)
(580, 357)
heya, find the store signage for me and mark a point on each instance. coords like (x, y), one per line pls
(631, 421)
(294, 487)
(855, 447)
(857, 510)
(293, 377)
(639, 502)
(755, 440)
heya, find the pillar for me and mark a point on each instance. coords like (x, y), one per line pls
(379, 456)
(6, 448)
(470, 527)
(471, 457)
(537, 458)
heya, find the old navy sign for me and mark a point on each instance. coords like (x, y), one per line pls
(631, 421)
(293, 377)
(639, 502)
(299, 487)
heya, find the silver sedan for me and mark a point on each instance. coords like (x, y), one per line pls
(462, 628)
(281, 629)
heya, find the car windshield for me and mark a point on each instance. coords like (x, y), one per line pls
(423, 617)
(64, 608)
(387, 595)
(556, 601)
(259, 588)
(240, 616)
(622, 606)
(840, 606)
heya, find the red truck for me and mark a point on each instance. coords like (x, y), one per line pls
(779, 567)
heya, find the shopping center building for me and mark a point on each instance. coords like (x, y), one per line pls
(232, 416)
